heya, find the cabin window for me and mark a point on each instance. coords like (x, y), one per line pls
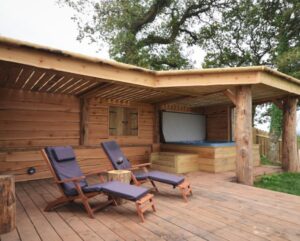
(123, 121)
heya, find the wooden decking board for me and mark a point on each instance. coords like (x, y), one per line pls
(68, 214)
(60, 226)
(193, 220)
(12, 236)
(25, 227)
(46, 231)
(218, 210)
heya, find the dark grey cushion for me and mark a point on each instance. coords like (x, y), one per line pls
(165, 177)
(63, 154)
(123, 190)
(93, 188)
(65, 169)
(116, 156)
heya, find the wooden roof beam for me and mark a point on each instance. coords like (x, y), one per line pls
(231, 95)
(92, 67)
(174, 99)
(95, 90)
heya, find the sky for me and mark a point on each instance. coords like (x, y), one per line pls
(46, 23)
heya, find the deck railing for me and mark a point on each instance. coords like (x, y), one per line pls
(263, 139)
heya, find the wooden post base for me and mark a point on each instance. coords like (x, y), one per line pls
(185, 189)
(143, 204)
(7, 204)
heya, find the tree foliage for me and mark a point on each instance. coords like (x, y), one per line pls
(262, 32)
(241, 37)
(152, 34)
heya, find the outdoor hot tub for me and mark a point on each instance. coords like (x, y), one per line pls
(214, 156)
(205, 143)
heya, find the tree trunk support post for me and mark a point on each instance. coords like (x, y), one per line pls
(290, 158)
(7, 204)
(243, 135)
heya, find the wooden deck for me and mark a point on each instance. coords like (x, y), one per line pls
(219, 210)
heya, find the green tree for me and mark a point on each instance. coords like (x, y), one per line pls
(152, 34)
(262, 32)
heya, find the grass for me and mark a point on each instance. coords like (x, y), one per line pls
(282, 182)
(265, 161)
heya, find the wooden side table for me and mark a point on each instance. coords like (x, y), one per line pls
(121, 176)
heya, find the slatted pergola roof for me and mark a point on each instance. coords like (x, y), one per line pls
(26, 66)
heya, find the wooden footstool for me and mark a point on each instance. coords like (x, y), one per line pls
(185, 189)
(143, 204)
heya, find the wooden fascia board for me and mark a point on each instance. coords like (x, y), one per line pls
(209, 79)
(279, 83)
(36, 58)
(134, 76)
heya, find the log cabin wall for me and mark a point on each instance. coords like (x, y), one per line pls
(31, 120)
(180, 108)
(98, 122)
(218, 124)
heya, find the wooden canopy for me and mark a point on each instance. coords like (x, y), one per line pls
(36, 68)
(25, 66)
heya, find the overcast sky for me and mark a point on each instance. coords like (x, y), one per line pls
(44, 22)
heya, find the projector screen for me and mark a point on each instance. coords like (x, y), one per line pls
(183, 127)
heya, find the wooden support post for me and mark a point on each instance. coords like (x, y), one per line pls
(290, 158)
(84, 131)
(229, 124)
(156, 129)
(243, 135)
(7, 204)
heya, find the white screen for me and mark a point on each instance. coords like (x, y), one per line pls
(183, 127)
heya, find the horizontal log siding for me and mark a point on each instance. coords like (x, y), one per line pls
(30, 119)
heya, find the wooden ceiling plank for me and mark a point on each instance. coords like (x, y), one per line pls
(28, 79)
(91, 92)
(46, 82)
(23, 78)
(19, 75)
(62, 85)
(116, 92)
(54, 84)
(76, 86)
(71, 86)
(38, 80)
(133, 94)
(85, 88)
(112, 91)
(79, 87)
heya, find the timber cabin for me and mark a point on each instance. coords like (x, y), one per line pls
(50, 97)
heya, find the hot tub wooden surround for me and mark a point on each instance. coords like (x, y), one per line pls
(212, 159)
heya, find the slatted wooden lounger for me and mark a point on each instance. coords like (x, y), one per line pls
(73, 184)
(119, 161)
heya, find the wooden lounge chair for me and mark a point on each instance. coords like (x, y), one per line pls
(119, 161)
(73, 184)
